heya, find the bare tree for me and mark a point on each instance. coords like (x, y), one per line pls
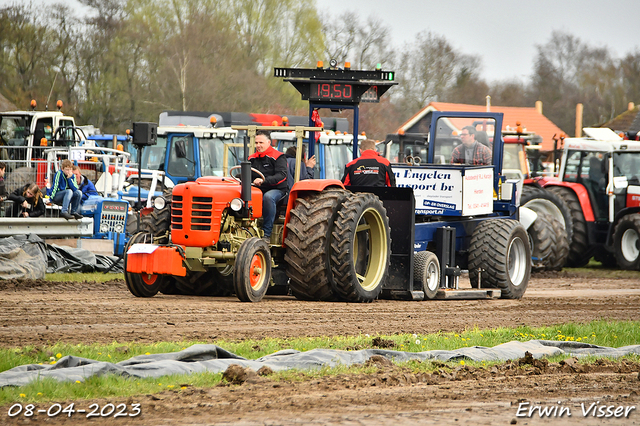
(567, 72)
(432, 70)
(363, 45)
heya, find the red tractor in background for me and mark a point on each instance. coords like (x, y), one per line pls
(552, 228)
(599, 181)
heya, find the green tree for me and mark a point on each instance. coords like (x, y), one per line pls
(26, 52)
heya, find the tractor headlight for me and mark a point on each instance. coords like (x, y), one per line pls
(236, 204)
(119, 228)
(104, 227)
(159, 203)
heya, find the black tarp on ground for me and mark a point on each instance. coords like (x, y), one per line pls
(22, 256)
(212, 358)
(29, 257)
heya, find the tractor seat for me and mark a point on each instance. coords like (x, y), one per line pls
(281, 206)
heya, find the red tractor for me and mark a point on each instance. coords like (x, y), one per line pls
(552, 228)
(334, 244)
(599, 181)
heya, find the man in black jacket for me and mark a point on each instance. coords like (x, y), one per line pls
(273, 165)
(370, 169)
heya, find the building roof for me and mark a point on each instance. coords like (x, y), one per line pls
(5, 105)
(529, 118)
(625, 122)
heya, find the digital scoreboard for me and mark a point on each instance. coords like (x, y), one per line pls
(338, 86)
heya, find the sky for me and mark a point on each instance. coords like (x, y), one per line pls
(504, 33)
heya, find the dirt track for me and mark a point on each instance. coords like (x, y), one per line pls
(35, 313)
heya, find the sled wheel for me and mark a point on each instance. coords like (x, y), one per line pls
(252, 270)
(500, 248)
(626, 240)
(142, 285)
(426, 272)
(361, 248)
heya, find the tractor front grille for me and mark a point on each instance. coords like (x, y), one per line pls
(192, 213)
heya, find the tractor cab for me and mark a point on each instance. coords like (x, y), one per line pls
(609, 170)
(599, 181)
(27, 133)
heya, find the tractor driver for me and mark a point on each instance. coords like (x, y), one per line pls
(471, 151)
(273, 165)
(370, 169)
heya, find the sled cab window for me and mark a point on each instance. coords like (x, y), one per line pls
(454, 134)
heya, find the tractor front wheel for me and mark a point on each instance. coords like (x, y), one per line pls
(143, 285)
(252, 270)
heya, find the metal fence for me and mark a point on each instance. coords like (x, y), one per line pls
(106, 167)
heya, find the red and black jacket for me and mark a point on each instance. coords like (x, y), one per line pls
(370, 169)
(273, 165)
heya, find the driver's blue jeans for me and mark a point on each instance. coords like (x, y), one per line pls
(269, 201)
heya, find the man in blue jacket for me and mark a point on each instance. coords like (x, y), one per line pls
(65, 191)
(84, 184)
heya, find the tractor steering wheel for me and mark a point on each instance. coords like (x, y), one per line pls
(238, 180)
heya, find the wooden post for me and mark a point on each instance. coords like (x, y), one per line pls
(539, 106)
(579, 108)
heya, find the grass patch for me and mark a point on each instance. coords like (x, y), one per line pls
(83, 277)
(595, 269)
(603, 333)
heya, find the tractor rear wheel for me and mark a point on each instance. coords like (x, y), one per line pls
(626, 240)
(157, 223)
(500, 248)
(559, 250)
(360, 248)
(426, 272)
(541, 239)
(308, 244)
(252, 270)
(142, 285)
(579, 250)
(543, 200)
(219, 283)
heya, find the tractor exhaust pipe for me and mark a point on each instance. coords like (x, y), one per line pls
(245, 178)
